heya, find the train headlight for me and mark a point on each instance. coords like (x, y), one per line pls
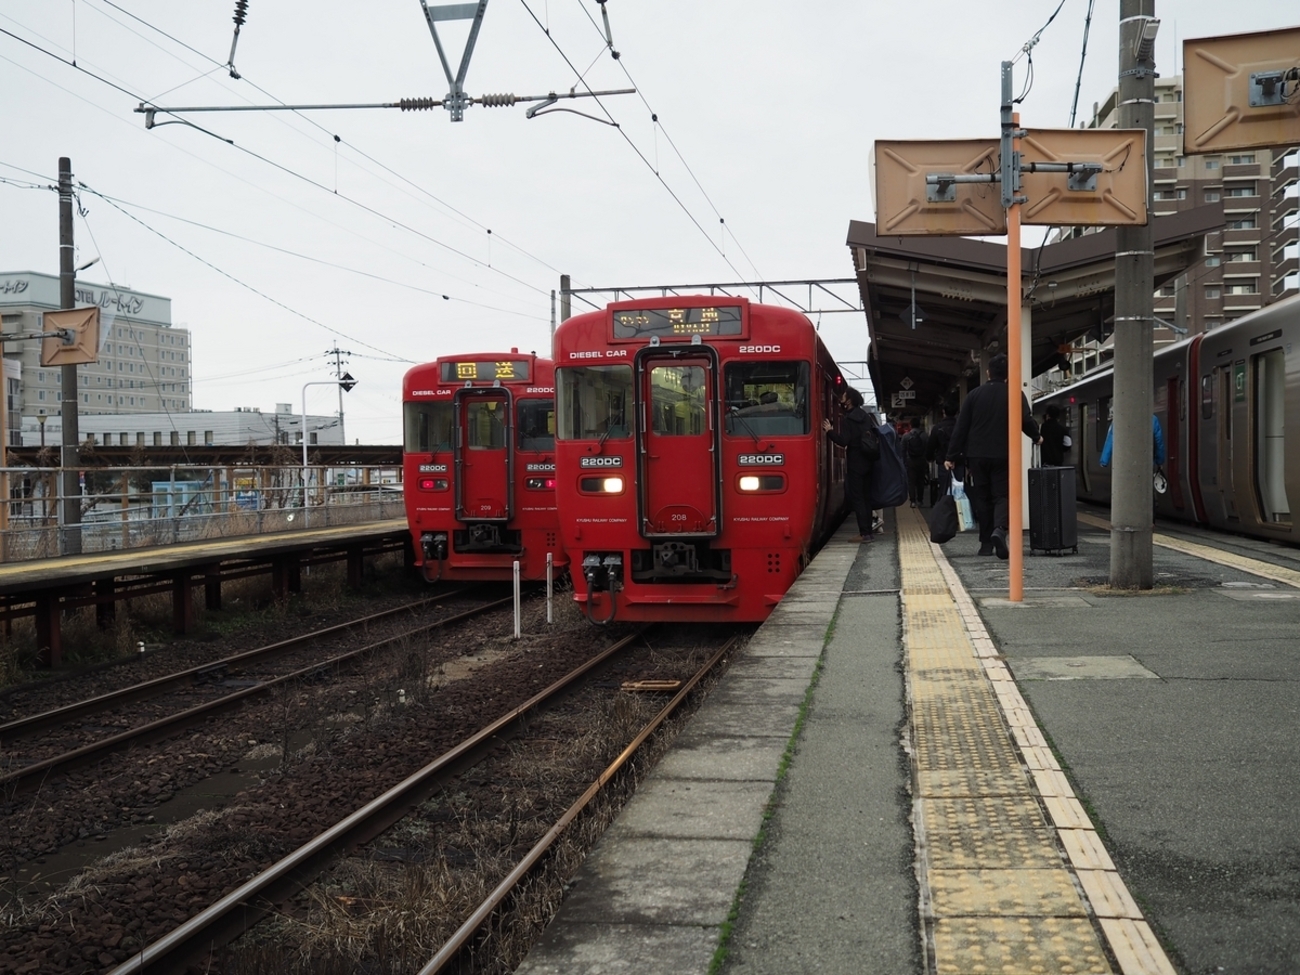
(540, 483)
(601, 485)
(433, 484)
(751, 483)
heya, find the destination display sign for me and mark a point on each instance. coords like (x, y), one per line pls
(633, 323)
(513, 370)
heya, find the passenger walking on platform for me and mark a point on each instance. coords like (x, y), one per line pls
(981, 436)
(918, 466)
(857, 476)
(1054, 438)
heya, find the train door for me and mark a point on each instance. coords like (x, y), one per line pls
(1174, 442)
(1227, 492)
(1083, 450)
(483, 455)
(679, 446)
(1270, 446)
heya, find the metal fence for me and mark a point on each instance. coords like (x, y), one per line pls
(135, 507)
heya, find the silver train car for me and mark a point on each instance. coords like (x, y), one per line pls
(1227, 401)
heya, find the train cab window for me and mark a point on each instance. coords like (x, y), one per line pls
(592, 402)
(678, 395)
(485, 424)
(428, 427)
(766, 398)
(536, 424)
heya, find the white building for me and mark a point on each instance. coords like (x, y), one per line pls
(238, 427)
(145, 365)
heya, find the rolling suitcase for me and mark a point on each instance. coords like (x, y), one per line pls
(1053, 520)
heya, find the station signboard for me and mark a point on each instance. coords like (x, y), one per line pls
(1241, 91)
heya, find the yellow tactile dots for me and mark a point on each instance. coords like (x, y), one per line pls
(1014, 879)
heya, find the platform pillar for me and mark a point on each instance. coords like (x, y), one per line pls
(212, 587)
(105, 603)
(182, 603)
(356, 566)
(49, 638)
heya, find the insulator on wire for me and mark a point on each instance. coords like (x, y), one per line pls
(241, 12)
(498, 101)
(417, 104)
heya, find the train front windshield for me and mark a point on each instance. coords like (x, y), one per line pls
(593, 402)
(767, 398)
(536, 424)
(429, 427)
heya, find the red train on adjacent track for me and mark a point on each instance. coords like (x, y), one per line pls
(693, 478)
(479, 466)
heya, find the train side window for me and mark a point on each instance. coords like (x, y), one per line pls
(536, 424)
(428, 427)
(1207, 396)
(591, 402)
(767, 398)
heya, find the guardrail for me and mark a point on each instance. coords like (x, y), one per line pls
(137, 507)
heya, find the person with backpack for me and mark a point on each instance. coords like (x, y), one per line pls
(981, 435)
(861, 442)
(915, 443)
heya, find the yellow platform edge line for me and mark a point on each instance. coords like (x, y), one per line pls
(1127, 933)
(1243, 562)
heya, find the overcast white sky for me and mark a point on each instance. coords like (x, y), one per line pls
(297, 242)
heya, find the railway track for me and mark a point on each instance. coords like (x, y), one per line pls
(33, 773)
(193, 942)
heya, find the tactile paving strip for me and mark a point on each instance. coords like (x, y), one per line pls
(1004, 847)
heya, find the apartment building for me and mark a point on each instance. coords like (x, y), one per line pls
(1253, 261)
(145, 364)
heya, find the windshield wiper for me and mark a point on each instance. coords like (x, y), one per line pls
(735, 414)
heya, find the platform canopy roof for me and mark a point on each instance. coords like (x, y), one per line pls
(958, 286)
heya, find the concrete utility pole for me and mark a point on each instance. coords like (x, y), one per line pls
(338, 355)
(1131, 461)
(71, 458)
(566, 308)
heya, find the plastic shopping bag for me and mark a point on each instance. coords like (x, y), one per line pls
(965, 513)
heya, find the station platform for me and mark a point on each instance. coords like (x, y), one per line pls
(907, 773)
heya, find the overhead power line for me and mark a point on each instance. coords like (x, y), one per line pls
(640, 155)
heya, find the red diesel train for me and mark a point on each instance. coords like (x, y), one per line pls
(693, 477)
(479, 466)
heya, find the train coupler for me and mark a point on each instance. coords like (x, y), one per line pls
(434, 546)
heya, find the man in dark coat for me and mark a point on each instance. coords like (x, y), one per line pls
(915, 445)
(1053, 438)
(937, 448)
(857, 475)
(981, 435)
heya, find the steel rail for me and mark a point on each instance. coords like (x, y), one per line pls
(20, 727)
(237, 911)
(163, 728)
(458, 940)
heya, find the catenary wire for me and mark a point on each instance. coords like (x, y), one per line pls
(334, 137)
(654, 118)
(640, 155)
(287, 169)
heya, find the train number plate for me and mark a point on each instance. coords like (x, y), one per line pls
(761, 460)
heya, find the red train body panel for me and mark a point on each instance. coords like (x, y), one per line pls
(693, 476)
(479, 466)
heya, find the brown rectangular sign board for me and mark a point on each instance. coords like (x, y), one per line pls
(1115, 196)
(1241, 91)
(905, 208)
